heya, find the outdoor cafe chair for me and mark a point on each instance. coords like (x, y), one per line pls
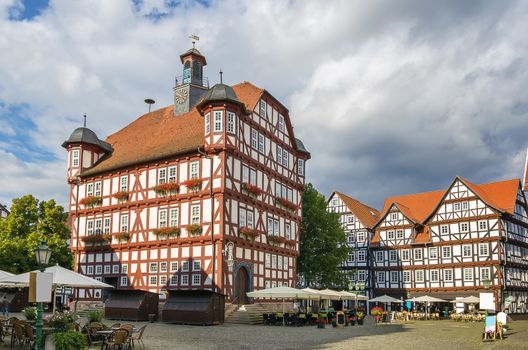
(279, 318)
(18, 335)
(29, 338)
(118, 339)
(139, 338)
(116, 325)
(93, 337)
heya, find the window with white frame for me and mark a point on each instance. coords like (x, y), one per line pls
(287, 230)
(285, 266)
(393, 255)
(173, 280)
(361, 255)
(124, 223)
(195, 214)
(268, 260)
(75, 158)
(361, 275)
(115, 269)
(351, 237)
(162, 218)
(483, 225)
(399, 234)
(444, 229)
(162, 176)
(124, 281)
(335, 202)
(448, 275)
(196, 279)
(446, 251)
(230, 122)
(273, 261)
(417, 253)
(464, 227)
(254, 139)
(245, 174)
(185, 266)
(300, 167)
(390, 234)
(90, 270)
(276, 227)
(467, 251)
(242, 222)
(468, 274)
(174, 217)
(107, 269)
(351, 257)
(465, 205)
(279, 154)
(419, 275)
(163, 280)
(261, 143)
(379, 256)
(195, 170)
(153, 267)
(405, 255)
(197, 265)
(163, 266)
(98, 269)
(174, 266)
(207, 123)
(485, 274)
(270, 226)
(394, 277)
(285, 158)
(435, 276)
(281, 123)
(106, 228)
(98, 226)
(249, 218)
(123, 183)
(361, 236)
(433, 253)
(173, 174)
(394, 216)
(124, 268)
(350, 219)
(218, 115)
(279, 261)
(98, 189)
(153, 280)
(483, 249)
(262, 111)
(89, 189)
(380, 276)
(406, 276)
(456, 206)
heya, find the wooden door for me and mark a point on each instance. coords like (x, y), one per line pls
(242, 286)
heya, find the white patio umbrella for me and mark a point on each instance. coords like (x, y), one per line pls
(467, 300)
(428, 299)
(282, 292)
(61, 278)
(5, 274)
(385, 299)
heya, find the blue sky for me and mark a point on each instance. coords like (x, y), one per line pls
(391, 97)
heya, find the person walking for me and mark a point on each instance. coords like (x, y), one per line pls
(5, 306)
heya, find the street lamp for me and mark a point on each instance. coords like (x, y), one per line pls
(42, 254)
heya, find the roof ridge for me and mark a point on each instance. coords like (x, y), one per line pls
(356, 200)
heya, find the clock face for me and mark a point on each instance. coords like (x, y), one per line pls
(181, 96)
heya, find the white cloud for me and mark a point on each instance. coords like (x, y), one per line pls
(388, 96)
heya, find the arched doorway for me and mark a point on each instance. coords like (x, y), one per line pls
(242, 286)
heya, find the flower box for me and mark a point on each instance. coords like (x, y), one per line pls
(121, 196)
(166, 232)
(91, 201)
(194, 229)
(250, 233)
(286, 204)
(290, 242)
(98, 238)
(167, 189)
(193, 184)
(276, 239)
(252, 190)
(122, 236)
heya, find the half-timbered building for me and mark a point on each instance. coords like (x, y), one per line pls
(202, 194)
(357, 220)
(446, 243)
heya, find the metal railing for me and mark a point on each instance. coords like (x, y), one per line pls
(178, 81)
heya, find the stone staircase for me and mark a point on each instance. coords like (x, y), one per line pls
(83, 310)
(246, 314)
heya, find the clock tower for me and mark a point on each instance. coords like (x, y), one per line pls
(192, 84)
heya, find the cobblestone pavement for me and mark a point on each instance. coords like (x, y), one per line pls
(416, 335)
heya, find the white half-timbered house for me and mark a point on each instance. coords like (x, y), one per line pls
(203, 194)
(446, 243)
(357, 220)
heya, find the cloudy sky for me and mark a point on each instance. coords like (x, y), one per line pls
(390, 97)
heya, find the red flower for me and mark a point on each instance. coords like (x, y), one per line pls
(121, 195)
(249, 232)
(194, 184)
(252, 190)
(91, 201)
(286, 204)
(169, 231)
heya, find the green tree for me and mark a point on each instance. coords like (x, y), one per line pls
(29, 223)
(323, 245)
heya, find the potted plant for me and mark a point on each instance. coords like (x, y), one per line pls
(97, 238)
(286, 204)
(252, 190)
(193, 184)
(166, 232)
(321, 322)
(194, 229)
(360, 318)
(249, 233)
(121, 196)
(167, 189)
(69, 340)
(91, 201)
(122, 236)
(377, 312)
(30, 312)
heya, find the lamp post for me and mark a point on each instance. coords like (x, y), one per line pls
(211, 194)
(486, 283)
(43, 254)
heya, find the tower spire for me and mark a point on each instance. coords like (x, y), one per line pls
(84, 117)
(221, 75)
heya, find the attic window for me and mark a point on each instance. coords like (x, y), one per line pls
(394, 216)
(75, 158)
(262, 108)
(281, 123)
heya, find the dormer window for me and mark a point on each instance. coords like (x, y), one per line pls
(75, 158)
(218, 120)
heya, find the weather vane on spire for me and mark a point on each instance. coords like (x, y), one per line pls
(194, 38)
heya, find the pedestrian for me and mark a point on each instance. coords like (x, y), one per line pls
(5, 307)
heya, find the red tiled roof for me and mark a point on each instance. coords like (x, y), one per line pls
(416, 206)
(500, 195)
(367, 215)
(159, 134)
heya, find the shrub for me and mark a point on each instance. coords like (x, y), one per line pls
(69, 340)
(94, 316)
(30, 312)
(61, 321)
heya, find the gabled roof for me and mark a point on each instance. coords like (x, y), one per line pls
(366, 215)
(500, 195)
(248, 94)
(416, 207)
